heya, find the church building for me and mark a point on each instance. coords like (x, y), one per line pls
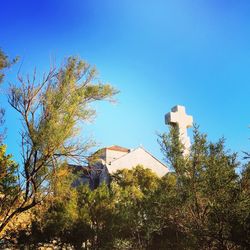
(107, 161)
(116, 158)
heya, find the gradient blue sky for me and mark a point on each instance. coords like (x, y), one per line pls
(157, 53)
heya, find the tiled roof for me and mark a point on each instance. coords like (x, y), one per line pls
(118, 148)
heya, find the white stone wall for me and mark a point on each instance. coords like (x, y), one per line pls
(112, 155)
(136, 157)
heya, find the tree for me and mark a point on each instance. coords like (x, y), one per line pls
(51, 112)
(240, 222)
(136, 188)
(8, 168)
(112, 217)
(208, 191)
(58, 216)
(8, 182)
(4, 63)
(75, 216)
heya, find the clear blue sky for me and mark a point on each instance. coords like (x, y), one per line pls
(157, 53)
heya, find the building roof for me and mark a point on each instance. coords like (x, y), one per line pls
(118, 148)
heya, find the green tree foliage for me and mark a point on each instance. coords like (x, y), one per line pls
(202, 204)
(136, 189)
(209, 193)
(8, 168)
(51, 111)
(4, 63)
(75, 216)
(8, 180)
(57, 215)
(104, 218)
(241, 229)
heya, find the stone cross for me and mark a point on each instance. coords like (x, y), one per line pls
(179, 118)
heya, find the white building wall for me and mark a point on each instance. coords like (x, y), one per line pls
(136, 157)
(112, 155)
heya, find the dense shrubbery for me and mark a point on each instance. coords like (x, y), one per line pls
(203, 204)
